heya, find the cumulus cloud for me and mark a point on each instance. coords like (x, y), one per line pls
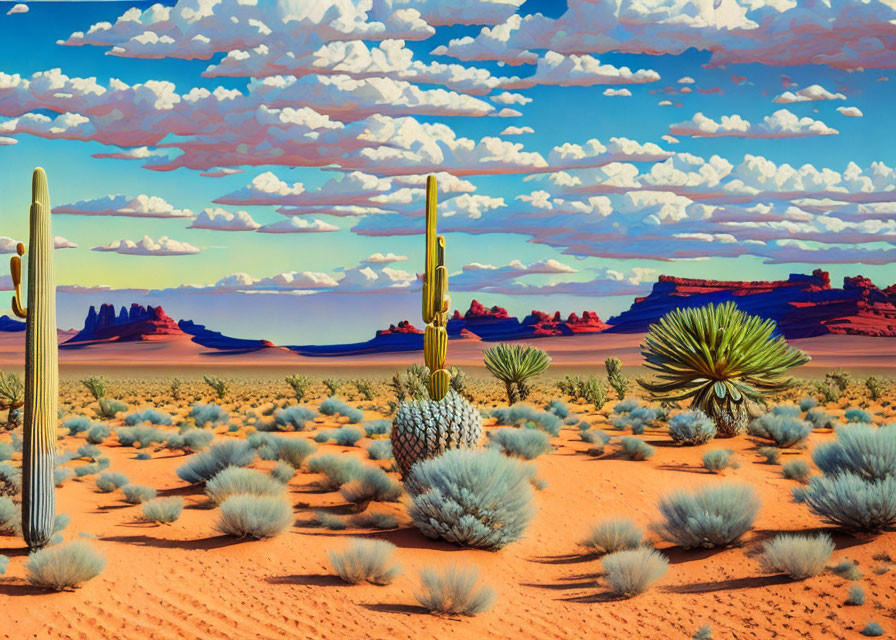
(18, 8)
(516, 131)
(557, 69)
(781, 124)
(63, 243)
(686, 80)
(135, 153)
(149, 247)
(298, 225)
(141, 206)
(615, 93)
(380, 258)
(670, 139)
(221, 220)
(594, 154)
(219, 172)
(8, 245)
(812, 93)
(850, 112)
(508, 97)
(511, 279)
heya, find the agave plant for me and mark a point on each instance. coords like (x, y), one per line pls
(515, 364)
(720, 357)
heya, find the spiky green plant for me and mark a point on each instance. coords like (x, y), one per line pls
(96, 385)
(299, 386)
(515, 365)
(719, 357)
(618, 381)
(218, 384)
(12, 397)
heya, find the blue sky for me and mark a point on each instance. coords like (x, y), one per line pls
(548, 225)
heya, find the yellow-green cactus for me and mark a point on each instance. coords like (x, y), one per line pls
(435, 301)
(41, 369)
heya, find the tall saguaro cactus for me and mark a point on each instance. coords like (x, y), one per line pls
(41, 369)
(435, 301)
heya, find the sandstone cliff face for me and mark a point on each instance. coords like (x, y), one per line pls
(140, 323)
(803, 305)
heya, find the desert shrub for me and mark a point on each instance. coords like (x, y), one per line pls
(109, 482)
(98, 433)
(299, 385)
(338, 470)
(333, 406)
(472, 498)
(151, 416)
(232, 481)
(208, 415)
(293, 451)
(851, 502)
(283, 472)
(329, 521)
(691, 428)
(595, 436)
(703, 633)
(10, 517)
(631, 572)
(615, 378)
(291, 419)
(142, 456)
(626, 406)
(88, 452)
(872, 630)
(522, 415)
(140, 436)
(718, 460)
(861, 449)
(110, 408)
(380, 450)
(524, 443)
(4, 563)
(636, 449)
(610, 536)
(78, 424)
(202, 467)
(86, 470)
(821, 419)
(710, 517)
(798, 470)
(874, 387)
(64, 567)
(375, 520)
(856, 595)
(808, 403)
(323, 436)
(163, 510)
(559, 408)
(61, 474)
(454, 591)
(858, 415)
(784, 430)
(847, 570)
(828, 392)
(10, 480)
(346, 436)
(798, 556)
(371, 485)
(378, 427)
(515, 365)
(593, 391)
(256, 517)
(637, 419)
(366, 561)
(192, 440)
(137, 494)
(772, 455)
(787, 411)
(6, 451)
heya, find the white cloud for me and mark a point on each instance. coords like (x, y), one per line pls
(298, 225)
(221, 220)
(812, 93)
(850, 112)
(557, 69)
(149, 247)
(379, 258)
(516, 131)
(614, 93)
(18, 8)
(594, 154)
(670, 139)
(141, 206)
(781, 124)
(508, 97)
(686, 80)
(63, 243)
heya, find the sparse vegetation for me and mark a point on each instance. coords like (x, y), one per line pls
(256, 517)
(515, 365)
(454, 591)
(714, 516)
(798, 556)
(64, 567)
(630, 573)
(366, 561)
(617, 534)
(163, 510)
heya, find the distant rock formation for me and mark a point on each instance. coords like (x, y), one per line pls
(10, 324)
(803, 305)
(140, 323)
(216, 340)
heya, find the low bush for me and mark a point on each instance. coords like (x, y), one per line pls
(559, 408)
(630, 573)
(109, 482)
(372, 485)
(346, 436)
(784, 430)
(338, 470)
(820, 418)
(64, 567)
(151, 416)
(10, 517)
(798, 470)
(163, 510)
(255, 517)
(523, 443)
(329, 521)
(232, 481)
(366, 561)
(847, 570)
(380, 450)
(110, 408)
(88, 452)
(637, 419)
(718, 460)
(772, 455)
(636, 449)
(454, 591)
(78, 424)
(595, 436)
(872, 630)
(204, 466)
(140, 436)
(610, 536)
(4, 563)
(851, 502)
(714, 516)
(283, 472)
(798, 556)
(787, 411)
(293, 451)
(208, 415)
(334, 406)
(378, 427)
(98, 433)
(858, 415)
(86, 470)
(856, 595)
(290, 419)
(475, 498)
(137, 494)
(626, 406)
(522, 415)
(861, 449)
(692, 428)
(808, 403)
(375, 520)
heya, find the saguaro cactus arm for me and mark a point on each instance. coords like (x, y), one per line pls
(15, 269)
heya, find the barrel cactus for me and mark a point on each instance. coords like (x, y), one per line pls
(427, 428)
(41, 369)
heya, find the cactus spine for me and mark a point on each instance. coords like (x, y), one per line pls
(435, 301)
(41, 369)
